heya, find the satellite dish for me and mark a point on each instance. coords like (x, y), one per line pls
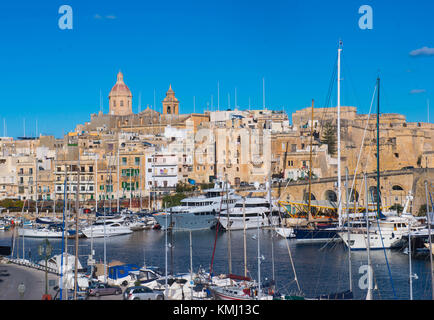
(256, 184)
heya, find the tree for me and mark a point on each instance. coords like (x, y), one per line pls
(173, 200)
(397, 207)
(422, 210)
(329, 137)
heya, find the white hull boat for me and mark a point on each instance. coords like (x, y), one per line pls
(109, 230)
(285, 232)
(250, 214)
(387, 234)
(40, 233)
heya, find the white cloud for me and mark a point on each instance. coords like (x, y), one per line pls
(111, 16)
(417, 91)
(424, 51)
(97, 16)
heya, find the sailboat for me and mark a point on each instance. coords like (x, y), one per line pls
(388, 230)
(325, 230)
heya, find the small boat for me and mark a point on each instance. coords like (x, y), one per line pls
(387, 234)
(285, 232)
(40, 232)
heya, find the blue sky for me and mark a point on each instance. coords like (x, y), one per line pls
(54, 77)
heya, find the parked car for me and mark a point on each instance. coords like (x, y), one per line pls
(142, 293)
(102, 289)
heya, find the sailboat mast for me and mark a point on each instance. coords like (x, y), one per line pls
(378, 147)
(244, 237)
(339, 135)
(271, 221)
(348, 228)
(310, 167)
(409, 263)
(228, 227)
(368, 246)
(428, 216)
(77, 209)
(117, 189)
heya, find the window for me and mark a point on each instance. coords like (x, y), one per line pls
(137, 161)
(124, 161)
(90, 168)
(122, 103)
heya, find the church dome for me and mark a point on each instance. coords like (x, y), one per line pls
(120, 88)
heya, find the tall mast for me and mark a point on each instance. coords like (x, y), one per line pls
(310, 167)
(244, 237)
(368, 246)
(228, 227)
(347, 211)
(77, 209)
(117, 189)
(378, 147)
(339, 136)
(428, 216)
(271, 221)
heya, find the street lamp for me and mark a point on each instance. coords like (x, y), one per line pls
(44, 251)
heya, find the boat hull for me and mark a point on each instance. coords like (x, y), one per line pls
(316, 235)
(359, 241)
(99, 232)
(39, 233)
(237, 223)
(186, 221)
(285, 232)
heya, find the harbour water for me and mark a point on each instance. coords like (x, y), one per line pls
(321, 268)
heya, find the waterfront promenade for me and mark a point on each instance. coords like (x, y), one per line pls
(12, 275)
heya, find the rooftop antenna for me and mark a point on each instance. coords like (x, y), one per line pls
(100, 101)
(235, 106)
(4, 127)
(212, 103)
(218, 96)
(155, 106)
(140, 102)
(36, 128)
(194, 104)
(263, 93)
(249, 103)
(229, 100)
(24, 127)
(427, 102)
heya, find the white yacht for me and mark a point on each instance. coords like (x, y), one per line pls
(110, 228)
(256, 211)
(387, 233)
(198, 213)
(44, 232)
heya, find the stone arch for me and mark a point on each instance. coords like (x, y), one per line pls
(330, 195)
(373, 194)
(354, 195)
(397, 187)
(306, 196)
